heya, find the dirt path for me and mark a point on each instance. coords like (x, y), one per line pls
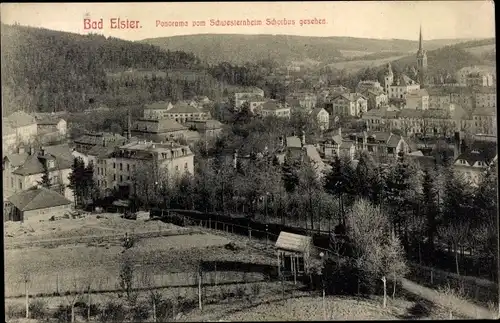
(457, 305)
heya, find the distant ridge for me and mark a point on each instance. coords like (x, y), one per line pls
(240, 48)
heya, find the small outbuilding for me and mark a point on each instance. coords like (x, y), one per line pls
(293, 251)
(37, 203)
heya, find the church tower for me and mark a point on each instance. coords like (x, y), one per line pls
(421, 61)
(388, 78)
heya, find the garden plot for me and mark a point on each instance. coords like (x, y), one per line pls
(58, 269)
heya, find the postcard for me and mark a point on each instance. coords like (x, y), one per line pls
(249, 161)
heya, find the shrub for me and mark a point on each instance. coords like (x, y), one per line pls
(240, 291)
(140, 312)
(255, 289)
(38, 309)
(62, 313)
(112, 312)
(164, 310)
(186, 304)
(15, 310)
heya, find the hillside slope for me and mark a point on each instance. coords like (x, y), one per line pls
(45, 70)
(238, 49)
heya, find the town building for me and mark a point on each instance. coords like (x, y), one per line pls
(322, 118)
(9, 139)
(84, 143)
(23, 124)
(307, 100)
(118, 167)
(384, 147)
(158, 130)
(52, 125)
(417, 100)
(337, 146)
(421, 61)
(462, 74)
(208, 128)
(402, 86)
(368, 85)
(157, 110)
(350, 104)
(182, 111)
(24, 170)
(485, 97)
(36, 204)
(254, 101)
(479, 78)
(376, 98)
(472, 162)
(379, 119)
(240, 97)
(274, 108)
(439, 97)
(484, 121)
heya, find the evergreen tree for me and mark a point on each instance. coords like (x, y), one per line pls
(45, 180)
(290, 175)
(76, 179)
(429, 206)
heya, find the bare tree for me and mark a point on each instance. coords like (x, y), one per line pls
(79, 285)
(155, 297)
(127, 278)
(456, 233)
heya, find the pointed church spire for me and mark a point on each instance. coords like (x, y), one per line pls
(420, 46)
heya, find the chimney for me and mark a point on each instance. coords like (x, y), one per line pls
(340, 131)
(303, 140)
(457, 143)
(235, 158)
(129, 125)
(20, 150)
(42, 151)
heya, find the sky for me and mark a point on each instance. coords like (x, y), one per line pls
(366, 19)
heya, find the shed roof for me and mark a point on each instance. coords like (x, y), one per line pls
(293, 242)
(37, 198)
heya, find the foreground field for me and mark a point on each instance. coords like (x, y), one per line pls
(170, 260)
(89, 225)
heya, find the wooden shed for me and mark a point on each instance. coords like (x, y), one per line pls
(293, 252)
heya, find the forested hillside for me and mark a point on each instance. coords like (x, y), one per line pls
(45, 70)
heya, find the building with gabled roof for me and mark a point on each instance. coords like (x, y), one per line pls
(90, 139)
(36, 204)
(322, 117)
(347, 104)
(23, 124)
(402, 86)
(25, 170)
(471, 162)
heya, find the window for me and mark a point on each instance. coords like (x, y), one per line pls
(114, 177)
(176, 167)
(121, 178)
(128, 167)
(114, 165)
(186, 166)
(12, 182)
(121, 166)
(20, 185)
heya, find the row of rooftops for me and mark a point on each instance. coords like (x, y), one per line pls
(23, 119)
(456, 113)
